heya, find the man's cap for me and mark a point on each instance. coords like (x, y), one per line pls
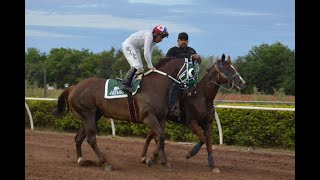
(183, 35)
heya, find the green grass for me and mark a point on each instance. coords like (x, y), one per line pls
(35, 91)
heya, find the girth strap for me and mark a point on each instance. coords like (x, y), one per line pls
(132, 109)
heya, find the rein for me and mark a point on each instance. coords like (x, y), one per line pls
(223, 95)
(162, 73)
(178, 82)
(167, 75)
(228, 79)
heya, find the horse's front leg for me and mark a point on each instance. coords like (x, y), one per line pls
(164, 160)
(150, 136)
(208, 133)
(159, 150)
(196, 129)
(158, 128)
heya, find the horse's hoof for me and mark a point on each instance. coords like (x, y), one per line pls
(167, 166)
(155, 160)
(149, 162)
(143, 160)
(108, 167)
(188, 156)
(215, 170)
(79, 160)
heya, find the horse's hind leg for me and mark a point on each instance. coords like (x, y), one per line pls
(81, 135)
(90, 125)
(89, 119)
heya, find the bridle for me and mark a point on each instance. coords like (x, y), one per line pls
(218, 84)
(218, 79)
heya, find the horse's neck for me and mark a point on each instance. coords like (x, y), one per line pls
(207, 87)
(158, 83)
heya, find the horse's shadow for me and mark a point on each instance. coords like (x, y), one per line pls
(88, 163)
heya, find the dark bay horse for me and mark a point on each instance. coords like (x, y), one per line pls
(86, 100)
(199, 109)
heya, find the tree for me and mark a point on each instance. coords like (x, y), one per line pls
(269, 68)
(97, 65)
(120, 63)
(105, 62)
(34, 66)
(63, 66)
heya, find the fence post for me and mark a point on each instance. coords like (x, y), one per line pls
(113, 128)
(219, 126)
(30, 116)
(45, 83)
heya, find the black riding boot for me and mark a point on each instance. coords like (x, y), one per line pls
(126, 85)
(173, 100)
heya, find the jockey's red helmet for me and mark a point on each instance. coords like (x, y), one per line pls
(160, 30)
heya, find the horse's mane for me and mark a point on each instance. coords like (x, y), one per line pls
(162, 61)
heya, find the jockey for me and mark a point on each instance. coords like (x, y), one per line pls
(142, 39)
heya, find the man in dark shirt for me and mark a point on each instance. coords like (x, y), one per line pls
(182, 50)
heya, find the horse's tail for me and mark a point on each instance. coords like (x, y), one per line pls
(63, 101)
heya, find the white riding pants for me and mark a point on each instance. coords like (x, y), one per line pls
(132, 55)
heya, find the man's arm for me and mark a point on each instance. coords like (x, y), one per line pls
(196, 56)
(148, 51)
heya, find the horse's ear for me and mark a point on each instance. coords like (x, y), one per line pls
(229, 59)
(223, 57)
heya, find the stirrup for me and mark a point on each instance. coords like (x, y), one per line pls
(175, 111)
(125, 87)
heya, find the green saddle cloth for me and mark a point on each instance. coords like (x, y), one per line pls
(112, 88)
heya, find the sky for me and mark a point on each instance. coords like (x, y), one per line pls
(214, 27)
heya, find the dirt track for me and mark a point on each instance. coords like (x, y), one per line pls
(50, 155)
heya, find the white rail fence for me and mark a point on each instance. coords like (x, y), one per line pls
(216, 114)
(256, 102)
